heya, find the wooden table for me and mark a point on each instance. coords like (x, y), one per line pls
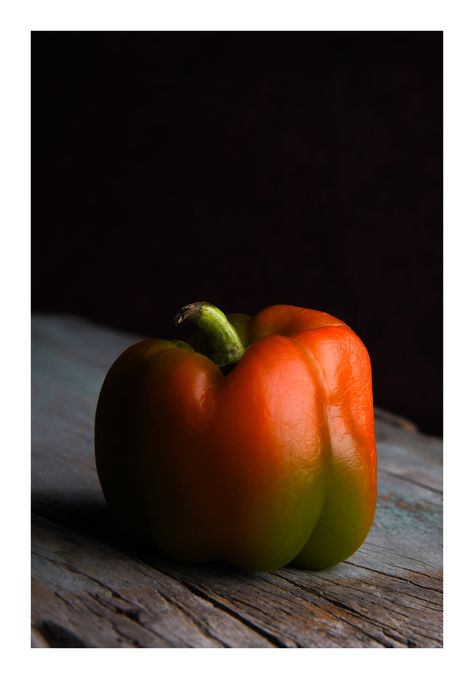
(90, 589)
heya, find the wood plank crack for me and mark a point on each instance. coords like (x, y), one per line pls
(388, 630)
(198, 591)
(409, 479)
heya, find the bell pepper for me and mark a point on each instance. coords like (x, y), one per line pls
(258, 450)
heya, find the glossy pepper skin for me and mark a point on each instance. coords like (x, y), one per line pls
(270, 464)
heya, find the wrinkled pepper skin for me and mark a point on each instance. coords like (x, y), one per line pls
(271, 464)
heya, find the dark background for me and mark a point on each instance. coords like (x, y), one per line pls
(246, 169)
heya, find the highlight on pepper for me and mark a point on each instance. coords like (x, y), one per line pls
(251, 444)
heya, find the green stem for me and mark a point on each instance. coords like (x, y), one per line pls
(225, 345)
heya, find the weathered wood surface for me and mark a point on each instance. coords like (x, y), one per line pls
(90, 589)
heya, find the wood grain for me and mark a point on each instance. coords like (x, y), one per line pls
(92, 589)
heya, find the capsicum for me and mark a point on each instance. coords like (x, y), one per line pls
(252, 444)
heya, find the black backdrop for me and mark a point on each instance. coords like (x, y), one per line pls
(246, 169)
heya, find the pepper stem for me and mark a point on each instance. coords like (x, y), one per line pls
(225, 345)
